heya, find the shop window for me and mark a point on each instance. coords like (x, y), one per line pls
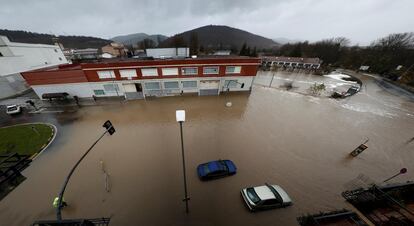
(171, 85)
(152, 85)
(99, 92)
(189, 84)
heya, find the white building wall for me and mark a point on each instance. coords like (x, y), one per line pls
(168, 52)
(20, 57)
(81, 90)
(86, 90)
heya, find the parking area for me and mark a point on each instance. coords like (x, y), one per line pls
(296, 141)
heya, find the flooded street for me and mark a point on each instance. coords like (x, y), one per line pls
(297, 141)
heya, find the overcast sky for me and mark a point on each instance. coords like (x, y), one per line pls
(360, 20)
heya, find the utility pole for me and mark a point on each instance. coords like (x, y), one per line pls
(108, 129)
(180, 116)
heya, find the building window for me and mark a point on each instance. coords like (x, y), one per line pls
(233, 69)
(99, 92)
(1, 54)
(171, 85)
(230, 84)
(111, 88)
(152, 85)
(56, 51)
(106, 74)
(128, 73)
(210, 70)
(60, 58)
(169, 71)
(189, 84)
(189, 70)
(149, 72)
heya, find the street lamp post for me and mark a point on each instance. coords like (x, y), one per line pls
(108, 129)
(180, 117)
(402, 171)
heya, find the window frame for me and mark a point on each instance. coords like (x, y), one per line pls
(175, 74)
(125, 70)
(152, 68)
(183, 68)
(214, 73)
(111, 74)
(234, 71)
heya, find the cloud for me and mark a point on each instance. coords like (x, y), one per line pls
(362, 21)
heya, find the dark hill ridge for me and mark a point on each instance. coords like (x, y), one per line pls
(217, 36)
(74, 42)
(133, 39)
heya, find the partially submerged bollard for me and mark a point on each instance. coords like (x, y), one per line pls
(359, 149)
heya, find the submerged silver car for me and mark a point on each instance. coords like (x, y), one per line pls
(13, 109)
(265, 197)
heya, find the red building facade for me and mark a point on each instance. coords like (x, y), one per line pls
(137, 79)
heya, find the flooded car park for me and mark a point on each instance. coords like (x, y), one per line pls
(297, 141)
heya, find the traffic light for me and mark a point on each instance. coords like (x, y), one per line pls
(108, 126)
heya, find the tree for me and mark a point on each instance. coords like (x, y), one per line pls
(202, 49)
(146, 44)
(178, 41)
(193, 43)
(254, 53)
(243, 50)
(316, 89)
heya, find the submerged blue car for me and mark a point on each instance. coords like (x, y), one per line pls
(216, 169)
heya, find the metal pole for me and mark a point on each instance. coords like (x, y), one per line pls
(271, 81)
(62, 191)
(392, 177)
(186, 198)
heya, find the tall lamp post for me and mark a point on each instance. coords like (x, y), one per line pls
(180, 117)
(108, 129)
(402, 171)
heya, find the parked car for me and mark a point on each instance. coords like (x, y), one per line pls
(13, 109)
(265, 197)
(216, 169)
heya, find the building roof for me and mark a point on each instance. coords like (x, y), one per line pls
(4, 41)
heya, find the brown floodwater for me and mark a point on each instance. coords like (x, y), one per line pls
(297, 141)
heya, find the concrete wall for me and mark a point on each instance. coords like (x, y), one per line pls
(168, 52)
(11, 85)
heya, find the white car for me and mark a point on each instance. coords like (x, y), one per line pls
(13, 109)
(265, 197)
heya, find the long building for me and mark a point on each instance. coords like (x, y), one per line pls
(143, 78)
(292, 62)
(19, 57)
